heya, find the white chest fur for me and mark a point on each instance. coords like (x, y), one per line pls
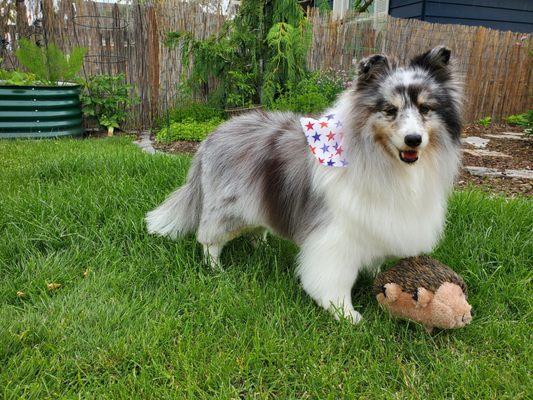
(378, 217)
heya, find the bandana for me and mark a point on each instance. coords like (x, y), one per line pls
(325, 137)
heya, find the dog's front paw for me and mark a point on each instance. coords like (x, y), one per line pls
(349, 314)
(353, 316)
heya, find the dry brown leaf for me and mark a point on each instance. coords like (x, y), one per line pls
(53, 286)
(86, 273)
(21, 294)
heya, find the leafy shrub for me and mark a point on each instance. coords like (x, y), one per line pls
(191, 111)
(107, 98)
(330, 82)
(485, 121)
(188, 129)
(49, 64)
(314, 93)
(17, 78)
(310, 103)
(525, 119)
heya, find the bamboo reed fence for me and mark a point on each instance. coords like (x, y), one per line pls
(129, 38)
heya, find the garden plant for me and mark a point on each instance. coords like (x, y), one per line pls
(46, 65)
(107, 98)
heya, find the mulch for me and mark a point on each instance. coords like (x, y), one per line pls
(521, 157)
(95, 133)
(181, 146)
(521, 152)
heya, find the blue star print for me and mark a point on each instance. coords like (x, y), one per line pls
(325, 139)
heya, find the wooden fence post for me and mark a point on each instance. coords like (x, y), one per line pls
(153, 60)
(21, 19)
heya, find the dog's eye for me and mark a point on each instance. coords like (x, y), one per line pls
(390, 111)
(424, 109)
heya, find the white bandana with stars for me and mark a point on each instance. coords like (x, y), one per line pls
(325, 138)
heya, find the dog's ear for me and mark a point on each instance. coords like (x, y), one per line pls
(372, 68)
(436, 61)
(391, 291)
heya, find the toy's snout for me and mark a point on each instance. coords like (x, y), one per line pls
(467, 317)
(451, 307)
(464, 319)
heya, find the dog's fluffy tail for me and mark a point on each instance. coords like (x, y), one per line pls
(180, 212)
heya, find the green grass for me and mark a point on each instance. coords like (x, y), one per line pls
(150, 321)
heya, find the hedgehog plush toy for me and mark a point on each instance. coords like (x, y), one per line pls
(426, 291)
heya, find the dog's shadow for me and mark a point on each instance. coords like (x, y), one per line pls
(277, 256)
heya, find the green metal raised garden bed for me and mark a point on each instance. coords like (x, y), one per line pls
(40, 111)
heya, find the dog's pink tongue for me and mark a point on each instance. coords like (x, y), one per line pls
(410, 155)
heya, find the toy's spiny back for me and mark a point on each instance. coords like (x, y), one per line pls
(412, 273)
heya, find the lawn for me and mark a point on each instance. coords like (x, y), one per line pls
(148, 320)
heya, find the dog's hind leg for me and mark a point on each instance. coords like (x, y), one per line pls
(214, 232)
(213, 237)
(259, 237)
(212, 255)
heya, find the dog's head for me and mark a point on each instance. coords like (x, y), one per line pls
(408, 110)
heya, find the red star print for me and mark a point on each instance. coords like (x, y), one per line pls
(313, 149)
(320, 160)
(340, 150)
(323, 124)
(309, 126)
(330, 135)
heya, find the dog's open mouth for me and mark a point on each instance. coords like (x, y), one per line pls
(409, 156)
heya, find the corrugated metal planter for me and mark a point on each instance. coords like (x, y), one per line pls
(40, 111)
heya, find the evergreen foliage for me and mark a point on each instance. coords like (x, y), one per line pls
(49, 64)
(323, 6)
(255, 56)
(286, 66)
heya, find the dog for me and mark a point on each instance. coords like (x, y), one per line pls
(401, 140)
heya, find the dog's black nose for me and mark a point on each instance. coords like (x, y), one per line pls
(413, 140)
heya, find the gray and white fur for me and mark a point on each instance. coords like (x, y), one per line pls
(401, 126)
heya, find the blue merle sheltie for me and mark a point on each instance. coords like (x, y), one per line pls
(401, 141)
